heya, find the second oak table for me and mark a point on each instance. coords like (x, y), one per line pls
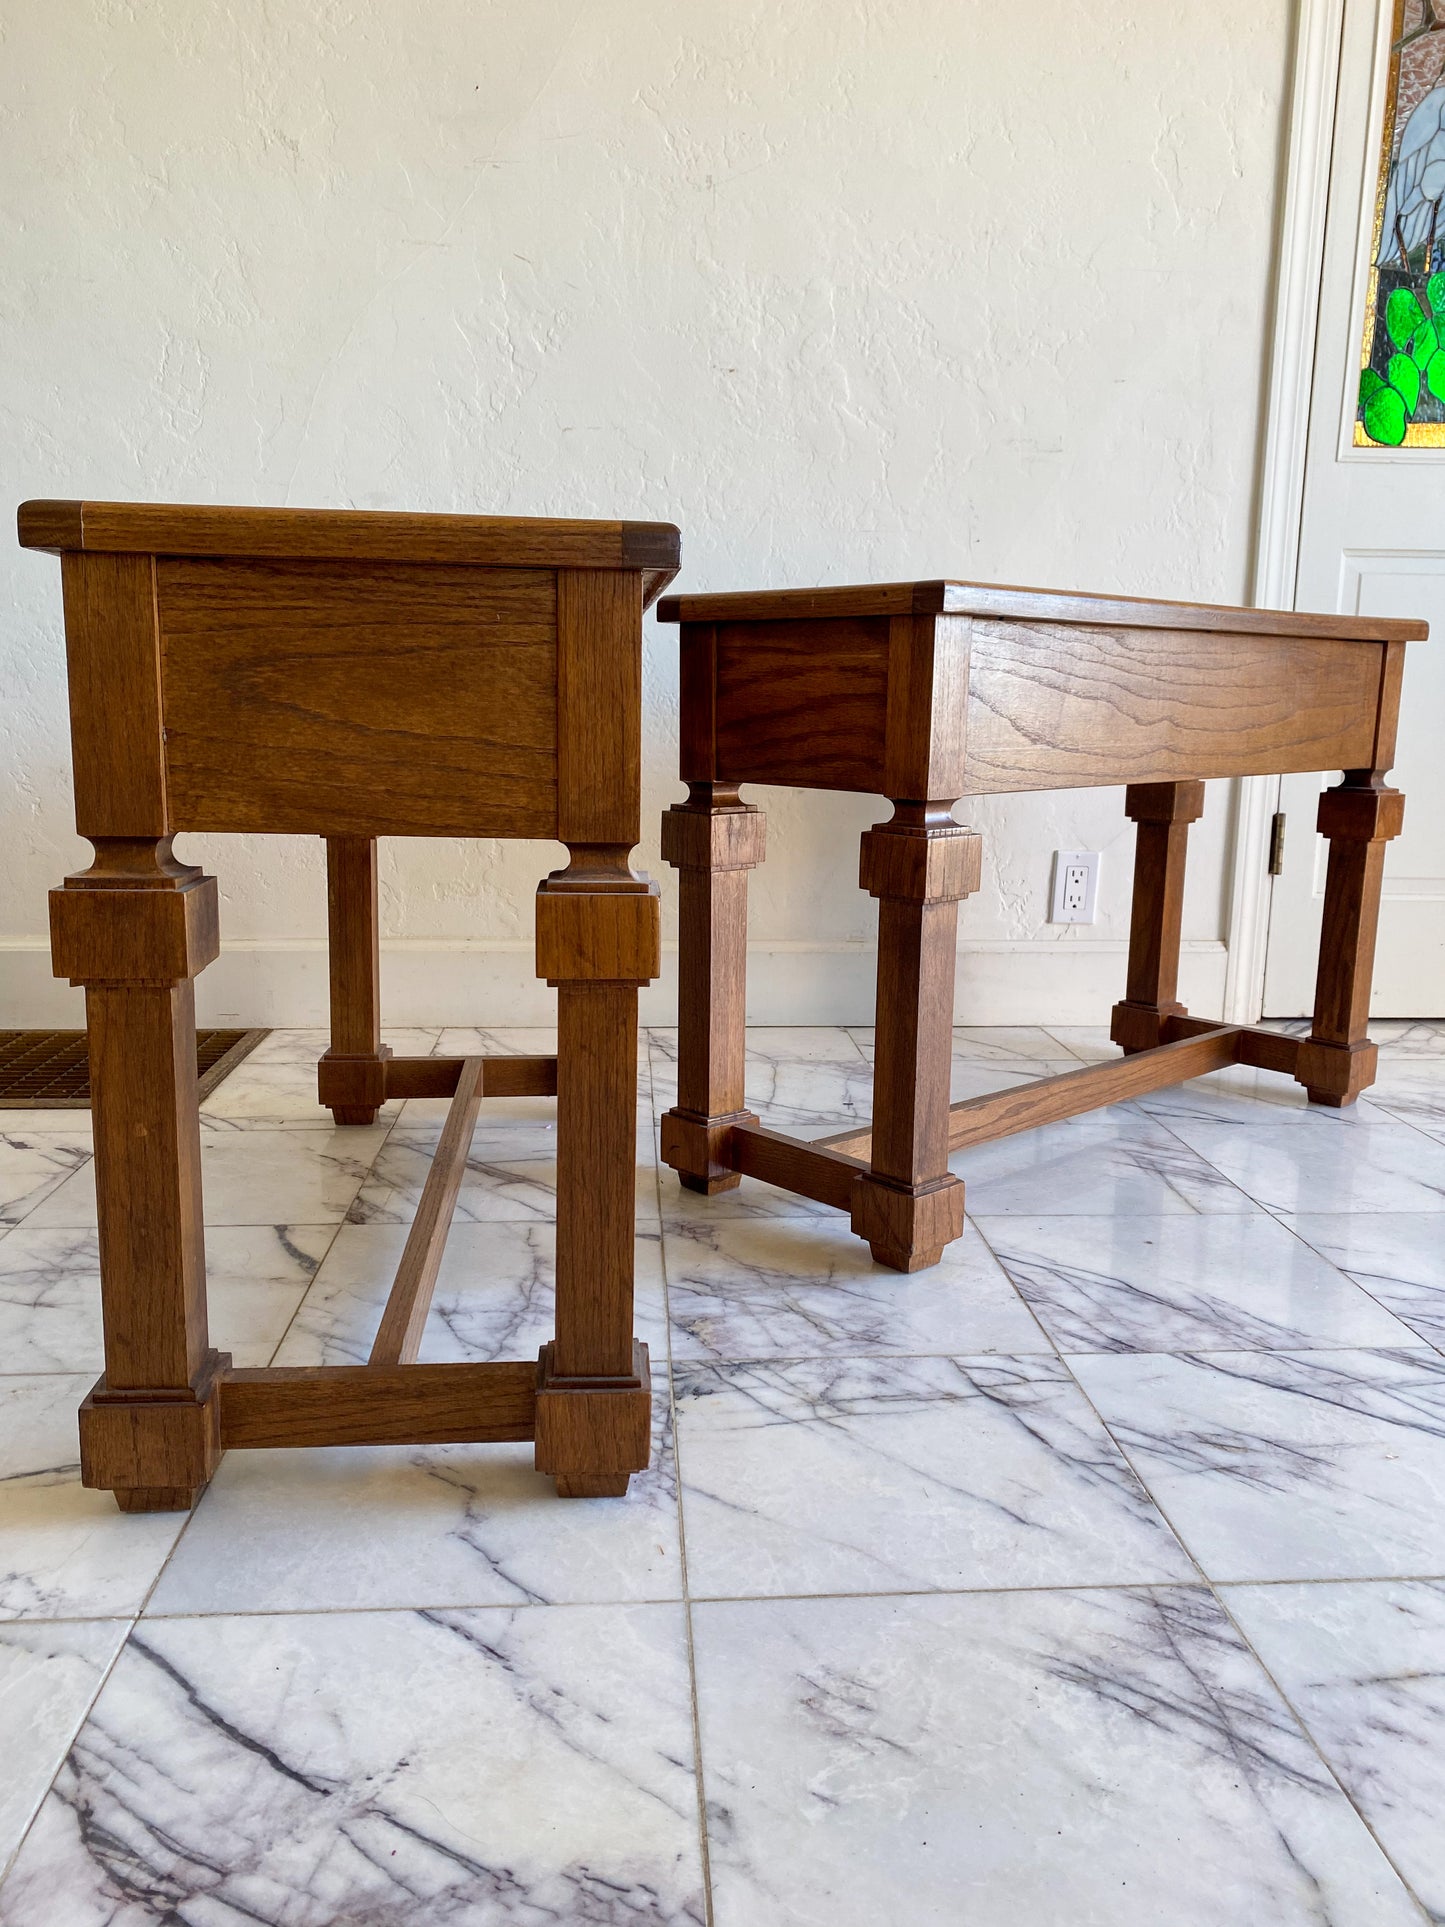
(928, 692)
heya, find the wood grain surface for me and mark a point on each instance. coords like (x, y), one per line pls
(366, 698)
(1053, 708)
(803, 703)
(1026, 605)
(350, 535)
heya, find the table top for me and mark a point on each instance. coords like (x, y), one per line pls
(1003, 601)
(351, 535)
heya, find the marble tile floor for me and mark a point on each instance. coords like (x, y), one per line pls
(1097, 1574)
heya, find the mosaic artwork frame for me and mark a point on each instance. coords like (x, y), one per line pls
(1401, 401)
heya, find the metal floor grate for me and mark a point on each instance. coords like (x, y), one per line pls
(47, 1070)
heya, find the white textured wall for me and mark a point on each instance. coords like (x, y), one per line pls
(850, 291)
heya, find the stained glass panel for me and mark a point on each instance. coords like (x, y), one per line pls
(1402, 373)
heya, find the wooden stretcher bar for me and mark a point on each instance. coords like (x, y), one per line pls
(500, 1076)
(1022, 1107)
(398, 1337)
(451, 1404)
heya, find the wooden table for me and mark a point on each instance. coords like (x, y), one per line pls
(352, 676)
(928, 692)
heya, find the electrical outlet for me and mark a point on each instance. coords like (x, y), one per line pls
(1076, 881)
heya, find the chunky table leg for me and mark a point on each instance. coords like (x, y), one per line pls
(1359, 816)
(713, 840)
(918, 865)
(351, 1077)
(598, 939)
(135, 929)
(1163, 812)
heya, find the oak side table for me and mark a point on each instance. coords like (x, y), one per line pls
(352, 675)
(928, 692)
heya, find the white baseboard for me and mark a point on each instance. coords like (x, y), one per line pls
(284, 983)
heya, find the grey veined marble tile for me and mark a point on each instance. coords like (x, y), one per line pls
(1245, 1094)
(495, 1295)
(65, 1552)
(1357, 1160)
(1364, 1667)
(796, 1079)
(49, 1674)
(253, 1177)
(1409, 1039)
(1089, 1042)
(1208, 1283)
(273, 1096)
(1021, 1045)
(33, 1165)
(1413, 1090)
(890, 1474)
(1017, 1760)
(438, 1769)
(1287, 1465)
(305, 1046)
(444, 1525)
(511, 1174)
(1397, 1257)
(50, 1320)
(794, 1287)
(1110, 1161)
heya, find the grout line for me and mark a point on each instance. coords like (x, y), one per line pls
(1277, 1211)
(704, 1844)
(1213, 1588)
(1083, 1585)
(604, 1602)
(1039, 1324)
(1349, 1280)
(1070, 1051)
(122, 1619)
(1307, 1730)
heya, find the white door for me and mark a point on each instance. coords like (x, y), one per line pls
(1372, 534)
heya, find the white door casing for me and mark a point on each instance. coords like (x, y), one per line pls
(1370, 533)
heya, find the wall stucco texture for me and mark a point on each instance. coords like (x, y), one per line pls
(850, 291)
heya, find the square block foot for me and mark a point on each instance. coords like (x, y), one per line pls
(592, 1432)
(1135, 1027)
(899, 1258)
(353, 1087)
(157, 1498)
(709, 1187)
(908, 1230)
(1335, 1074)
(154, 1449)
(693, 1147)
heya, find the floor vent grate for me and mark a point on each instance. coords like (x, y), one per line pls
(47, 1070)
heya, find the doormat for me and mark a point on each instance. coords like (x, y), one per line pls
(48, 1070)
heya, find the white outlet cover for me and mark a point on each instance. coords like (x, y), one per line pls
(1076, 885)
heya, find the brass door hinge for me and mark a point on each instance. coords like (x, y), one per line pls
(1276, 845)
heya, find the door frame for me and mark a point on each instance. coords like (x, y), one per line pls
(1314, 85)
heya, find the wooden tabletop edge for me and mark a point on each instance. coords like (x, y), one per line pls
(1009, 602)
(653, 545)
(177, 528)
(55, 526)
